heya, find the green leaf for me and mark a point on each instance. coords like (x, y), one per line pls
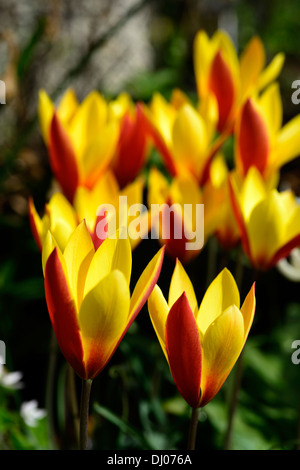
(123, 426)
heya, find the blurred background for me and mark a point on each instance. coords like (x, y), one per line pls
(139, 47)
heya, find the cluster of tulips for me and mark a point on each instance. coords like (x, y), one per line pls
(101, 149)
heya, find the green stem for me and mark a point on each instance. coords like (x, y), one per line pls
(84, 412)
(193, 428)
(234, 401)
(50, 387)
(73, 402)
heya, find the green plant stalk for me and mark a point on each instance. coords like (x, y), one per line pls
(193, 428)
(233, 400)
(84, 413)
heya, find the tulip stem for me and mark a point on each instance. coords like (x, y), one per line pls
(84, 412)
(193, 428)
(234, 401)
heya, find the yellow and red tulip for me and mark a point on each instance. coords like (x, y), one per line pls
(181, 231)
(261, 139)
(269, 220)
(230, 80)
(88, 296)
(201, 344)
(219, 216)
(61, 217)
(182, 134)
(133, 143)
(86, 139)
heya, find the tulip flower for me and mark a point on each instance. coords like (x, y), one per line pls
(133, 143)
(201, 344)
(269, 220)
(85, 140)
(61, 217)
(182, 134)
(261, 139)
(229, 79)
(219, 215)
(176, 215)
(88, 296)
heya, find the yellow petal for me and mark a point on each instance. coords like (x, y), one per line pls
(271, 106)
(78, 255)
(185, 190)
(49, 244)
(292, 227)
(113, 254)
(202, 57)
(103, 317)
(189, 137)
(146, 282)
(163, 116)
(288, 143)
(99, 153)
(272, 71)
(45, 113)
(158, 311)
(222, 345)
(221, 293)
(248, 310)
(87, 201)
(252, 62)
(88, 121)
(36, 223)
(253, 191)
(67, 107)
(180, 282)
(63, 219)
(265, 228)
(158, 187)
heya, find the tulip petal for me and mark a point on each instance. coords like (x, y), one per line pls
(146, 283)
(221, 83)
(253, 144)
(222, 344)
(184, 350)
(45, 113)
(238, 213)
(67, 107)
(248, 310)
(63, 219)
(189, 139)
(271, 105)
(88, 121)
(103, 316)
(272, 71)
(36, 223)
(63, 158)
(49, 243)
(98, 155)
(288, 143)
(158, 310)
(202, 58)
(63, 313)
(284, 251)
(221, 293)
(252, 62)
(78, 255)
(180, 282)
(132, 147)
(265, 229)
(159, 129)
(113, 253)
